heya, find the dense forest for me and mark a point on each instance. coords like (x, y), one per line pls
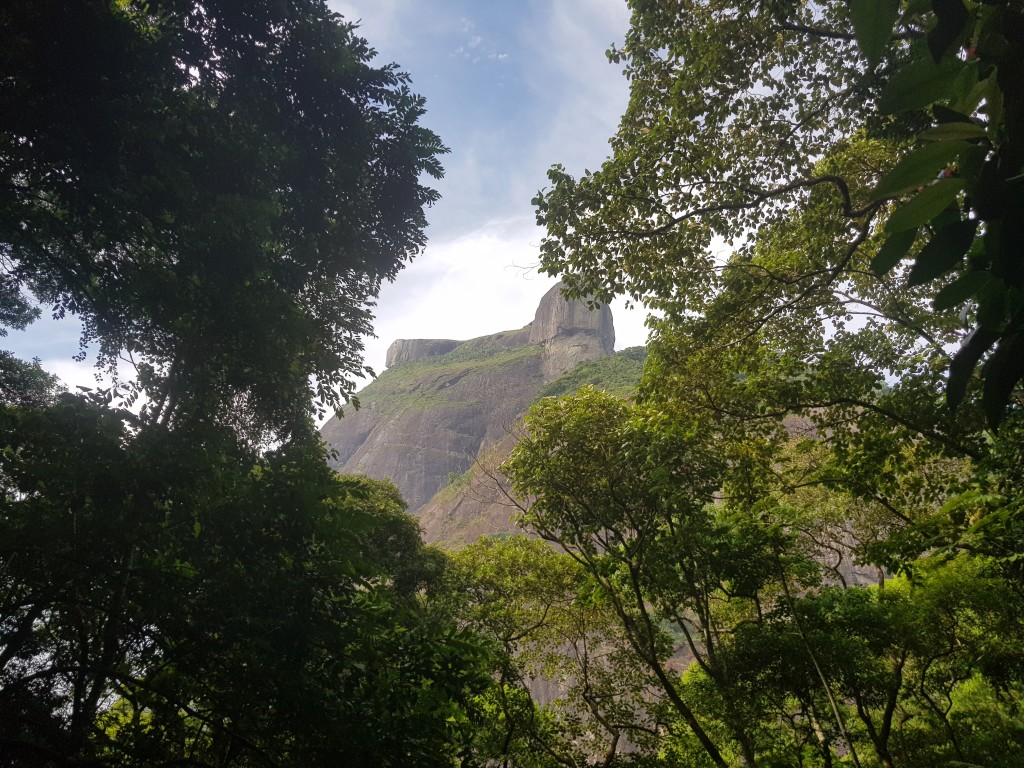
(799, 542)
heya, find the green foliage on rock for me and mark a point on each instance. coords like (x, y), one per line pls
(420, 383)
(619, 374)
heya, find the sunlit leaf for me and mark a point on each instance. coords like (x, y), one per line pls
(919, 167)
(925, 206)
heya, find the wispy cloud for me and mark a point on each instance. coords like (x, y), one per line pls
(476, 47)
(381, 21)
(482, 282)
(591, 95)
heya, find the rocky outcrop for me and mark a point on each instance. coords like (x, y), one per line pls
(412, 350)
(557, 319)
(571, 333)
(476, 504)
(443, 404)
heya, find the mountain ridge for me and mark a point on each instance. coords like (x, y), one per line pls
(442, 404)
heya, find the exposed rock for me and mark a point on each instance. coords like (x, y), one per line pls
(558, 318)
(411, 350)
(570, 332)
(445, 414)
(442, 404)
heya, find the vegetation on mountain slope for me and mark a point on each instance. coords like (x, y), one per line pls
(421, 383)
(217, 189)
(618, 374)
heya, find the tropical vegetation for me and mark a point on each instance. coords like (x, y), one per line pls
(799, 542)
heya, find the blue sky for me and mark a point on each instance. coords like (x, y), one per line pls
(512, 87)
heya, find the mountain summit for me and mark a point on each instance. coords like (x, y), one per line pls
(442, 404)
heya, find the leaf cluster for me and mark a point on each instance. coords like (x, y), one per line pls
(215, 190)
(173, 597)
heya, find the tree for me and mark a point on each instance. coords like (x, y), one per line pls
(968, 74)
(216, 190)
(626, 495)
(169, 596)
(764, 650)
(568, 690)
(763, 190)
(771, 109)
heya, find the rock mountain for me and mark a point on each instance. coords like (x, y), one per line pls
(441, 413)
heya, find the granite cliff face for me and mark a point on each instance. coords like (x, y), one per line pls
(571, 334)
(411, 350)
(441, 404)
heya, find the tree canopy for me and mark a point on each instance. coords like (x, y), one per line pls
(215, 189)
(811, 553)
(771, 109)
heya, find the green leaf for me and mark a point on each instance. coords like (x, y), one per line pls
(919, 84)
(873, 21)
(961, 289)
(992, 299)
(943, 252)
(925, 206)
(953, 132)
(975, 345)
(972, 161)
(944, 114)
(893, 249)
(919, 167)
(967, 92)
(1002, 374)
(953, 18)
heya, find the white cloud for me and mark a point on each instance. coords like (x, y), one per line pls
(380, 21)
(71, 373)
(482, 282)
